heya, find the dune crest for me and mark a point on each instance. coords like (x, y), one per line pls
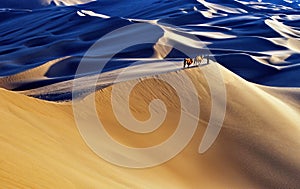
(49, 51)
(269, 28)
(259, 137)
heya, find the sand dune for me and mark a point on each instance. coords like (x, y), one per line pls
(28, 76)
(35, 4)
(258, 146)
(43, 42)
(271, 35)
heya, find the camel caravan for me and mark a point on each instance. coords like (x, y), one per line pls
(197, 61)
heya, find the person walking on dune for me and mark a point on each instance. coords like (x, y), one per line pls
(188, 62)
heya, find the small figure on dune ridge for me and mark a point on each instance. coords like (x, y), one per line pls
(196, 61)
(187, 62)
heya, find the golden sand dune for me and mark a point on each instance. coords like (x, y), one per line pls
(258, 145)
(31, 75)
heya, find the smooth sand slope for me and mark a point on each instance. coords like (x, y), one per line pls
(258, 146)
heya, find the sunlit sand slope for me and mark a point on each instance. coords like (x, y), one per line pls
(258, 146)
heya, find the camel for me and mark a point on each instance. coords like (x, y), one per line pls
(188, 62)
(196, 61)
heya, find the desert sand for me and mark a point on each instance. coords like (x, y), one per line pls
(255, 44)
(258, 145)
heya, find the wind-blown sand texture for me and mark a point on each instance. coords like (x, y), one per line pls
(258, 146)
(256, 46)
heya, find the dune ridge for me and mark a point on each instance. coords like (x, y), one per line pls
(254, 44)
(47, 34)
(258, 146)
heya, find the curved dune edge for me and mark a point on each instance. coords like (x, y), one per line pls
(258, 146)
(271, 32)
(31, 75)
